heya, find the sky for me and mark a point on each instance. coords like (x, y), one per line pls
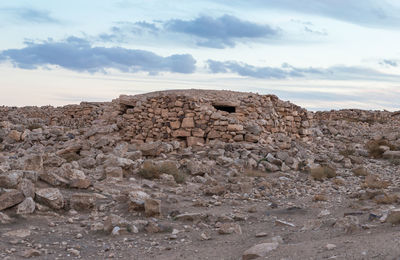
(319, 54)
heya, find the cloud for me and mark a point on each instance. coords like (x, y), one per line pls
(366, 12)
(247, 70)
(30, 15)
(79, 55)
(390, 63)
(310, 30)
(287, 71)
(123, 31)
(220, 32)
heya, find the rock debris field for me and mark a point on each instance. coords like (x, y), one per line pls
(194, 174)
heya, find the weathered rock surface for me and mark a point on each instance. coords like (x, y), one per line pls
(10, 198)
(51, 197)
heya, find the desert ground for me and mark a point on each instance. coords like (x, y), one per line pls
(198, 175)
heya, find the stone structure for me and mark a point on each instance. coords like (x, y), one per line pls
(198, 116)
(73, 116)
(357, 115)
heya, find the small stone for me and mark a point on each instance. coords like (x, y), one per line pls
(27, 188)
(19, 233)
(30, 253)
(10, 198)
(320, 173)
(53, 179)
(360, 171)
(28, 206)
(195, 141)
(251, 138)
(205, 236)
(235, 128)
(187, 122)
(82, 201)
(190, 217)
(10, 180)
(181, 133)
(175, 125)
(320, 197)
(4, 218)
(153, 227)
(79, 236)
(260, 250)
(78, 179)
(229, 228)
(391, 154)
(114, 172)
(97, 226)
(115, 231)
(324, 213)
(283, 223)
(215, 190)
(151, 148)
(262, 234)
(137, 199)
(393, 216)
(152, 207)
(373, 182)
(330, 246)
(15, 135)
(51, 197)
(74, 252)
(114, 220)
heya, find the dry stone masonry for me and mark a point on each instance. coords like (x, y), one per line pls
(196, 117)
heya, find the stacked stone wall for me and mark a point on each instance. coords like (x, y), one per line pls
(202, 116)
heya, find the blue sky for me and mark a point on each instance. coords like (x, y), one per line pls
(320, 54)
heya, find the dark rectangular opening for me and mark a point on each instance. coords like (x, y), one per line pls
(124, 108)
(229, 109)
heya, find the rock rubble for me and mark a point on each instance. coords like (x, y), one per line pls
(169, 175)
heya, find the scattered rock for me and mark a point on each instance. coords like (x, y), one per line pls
(28, 206)
(229, 228)
(284, 223)
(320, 173)
(262, 234)
(360, 171)
(10, 198)
(373, 182)
(137, 199)
(393, 216)
(152, 207)
(330, 246)
(51, 197)
(260, 250)
(82, 201)
(19, 233)
(30, 253)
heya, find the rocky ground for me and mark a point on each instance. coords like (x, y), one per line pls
(83, 192)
